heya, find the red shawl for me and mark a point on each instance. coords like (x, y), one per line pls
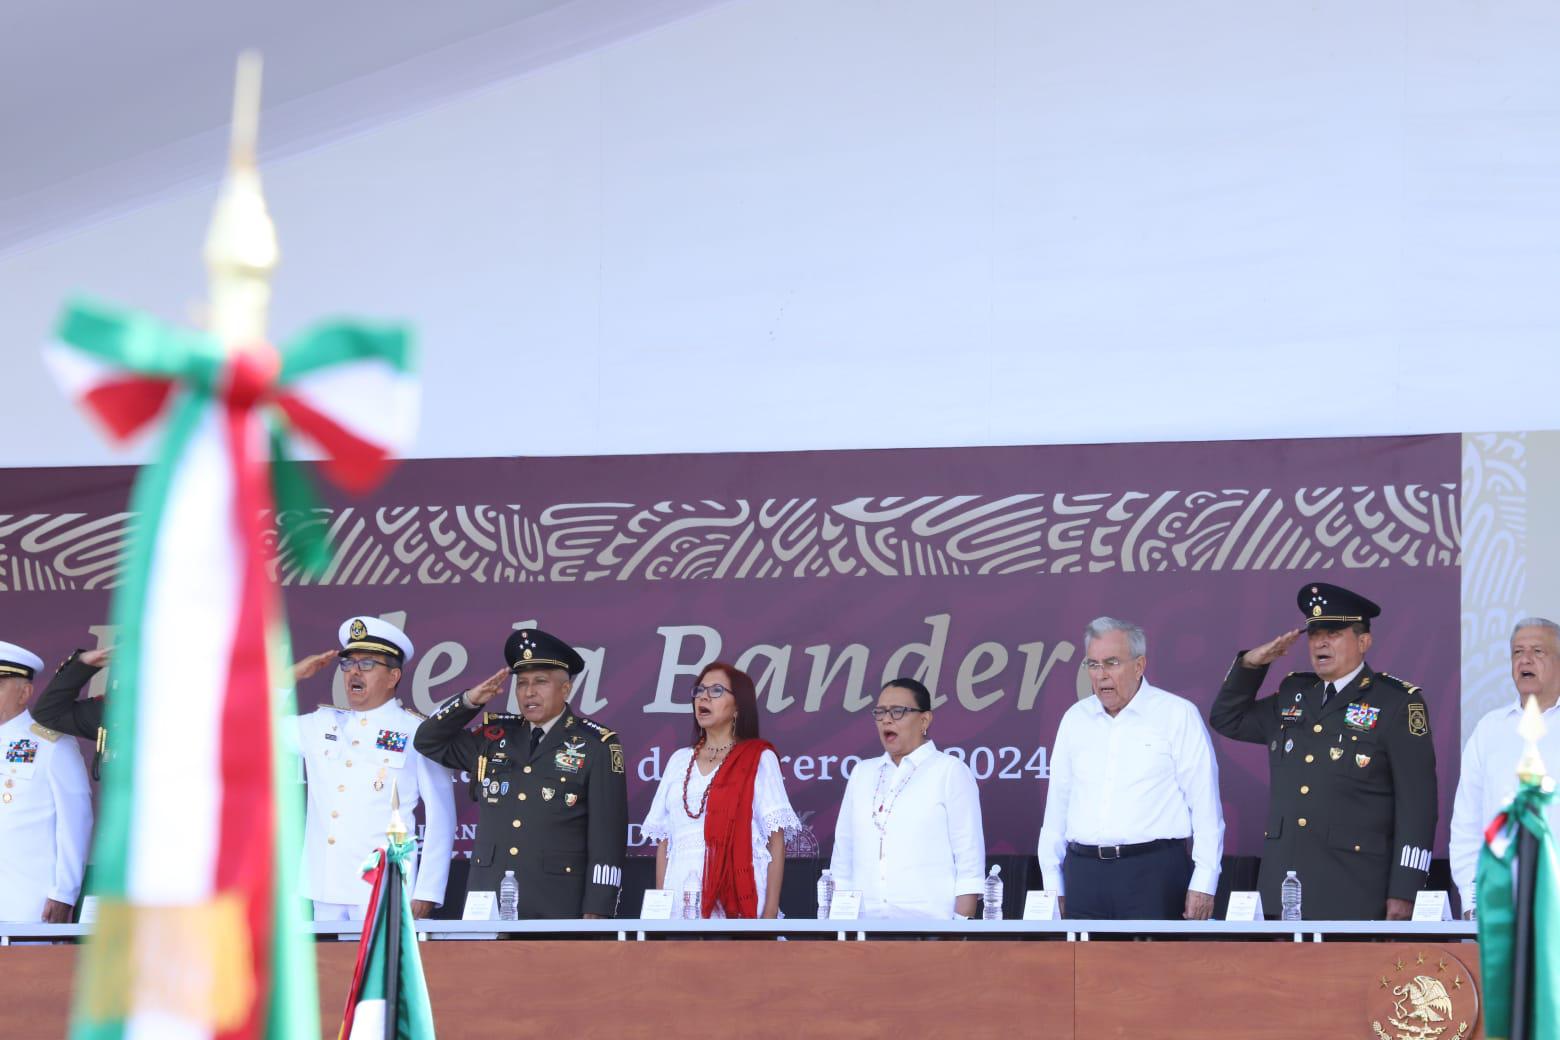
(728, 834)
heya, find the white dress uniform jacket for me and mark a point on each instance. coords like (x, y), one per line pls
(45, 819)
(351, 759)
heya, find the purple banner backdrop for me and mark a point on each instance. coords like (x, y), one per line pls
(825, 573)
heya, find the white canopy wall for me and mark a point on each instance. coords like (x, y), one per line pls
(785, 224)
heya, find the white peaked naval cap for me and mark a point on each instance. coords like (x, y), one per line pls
(368, 634)
(16, 661)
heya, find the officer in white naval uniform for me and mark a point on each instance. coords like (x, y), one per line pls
(45, 804)
(352, 757)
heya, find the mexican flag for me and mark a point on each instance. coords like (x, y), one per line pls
(389, 969)
(1515, 925)
(199, 931)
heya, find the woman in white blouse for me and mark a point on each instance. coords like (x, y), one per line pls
(720, 815)
(909, 835)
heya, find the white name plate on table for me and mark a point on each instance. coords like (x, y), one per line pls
(89, 910)
(1244, 906)
(480, 906)
(846, 906)
(657, 905)
(1040, 906)
(1432, 906)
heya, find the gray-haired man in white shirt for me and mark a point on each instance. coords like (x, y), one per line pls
(1489, 760)
(1133, 776)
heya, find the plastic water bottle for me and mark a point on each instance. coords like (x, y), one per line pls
(992, 897)
(1289, 895)
(509, 897)
(825, 894)
(692, 895)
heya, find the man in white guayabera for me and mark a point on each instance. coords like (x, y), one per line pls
(1132, 778)
(1489, 760)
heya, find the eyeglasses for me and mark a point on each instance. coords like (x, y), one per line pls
(896, 713)
(1109, 664)
(714, 693)
(362, 664)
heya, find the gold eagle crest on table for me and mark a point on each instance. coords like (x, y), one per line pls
(1422, 994)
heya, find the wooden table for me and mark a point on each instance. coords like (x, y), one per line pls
(1029, 982)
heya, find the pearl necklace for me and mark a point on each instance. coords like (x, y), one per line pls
(688, 777)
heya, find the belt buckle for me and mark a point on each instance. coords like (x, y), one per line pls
(1115, 851)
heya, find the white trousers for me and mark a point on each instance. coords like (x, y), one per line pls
(339, 911)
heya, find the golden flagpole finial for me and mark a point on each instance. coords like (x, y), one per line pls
(241, 249)
(396, 831)
(1530, 769)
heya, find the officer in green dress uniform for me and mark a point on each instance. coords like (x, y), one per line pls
(550, 785)
(1352, 804)
(59, 709)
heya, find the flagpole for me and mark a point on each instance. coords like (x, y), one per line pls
(396, 833)
(1530, 772)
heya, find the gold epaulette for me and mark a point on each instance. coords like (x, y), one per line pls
(605, 733)
(1408, 687)
(45, 732)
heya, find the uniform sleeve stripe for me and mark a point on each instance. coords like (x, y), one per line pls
(1415, 858)
(602, 874)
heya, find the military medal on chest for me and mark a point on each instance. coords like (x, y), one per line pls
(571, 757)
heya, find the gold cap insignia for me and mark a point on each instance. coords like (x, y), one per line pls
(1316, 611)
(525, 655)
(358, 629)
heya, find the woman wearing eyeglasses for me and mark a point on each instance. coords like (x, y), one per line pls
(909, 834)
(720, 815)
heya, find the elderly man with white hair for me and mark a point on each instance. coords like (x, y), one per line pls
(1489, 759)
(1133, 777)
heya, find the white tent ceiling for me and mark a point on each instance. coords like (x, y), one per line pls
(106, 106)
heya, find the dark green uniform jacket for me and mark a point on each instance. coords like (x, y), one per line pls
(59, 709)
(558, 818)
(1352, 805)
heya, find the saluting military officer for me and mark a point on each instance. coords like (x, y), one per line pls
(1352, 804)
(552, 794)
(45, 804)
(59, 709)
(353, 757)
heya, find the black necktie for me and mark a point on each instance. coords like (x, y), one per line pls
(536, 739)
(1327, 695)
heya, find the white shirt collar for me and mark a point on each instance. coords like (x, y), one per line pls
(394, 703)
(1519, 706)
(1145, 689)
(1343, 684)
(918, 756)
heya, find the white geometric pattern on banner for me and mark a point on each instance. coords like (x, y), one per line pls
(1412, 525)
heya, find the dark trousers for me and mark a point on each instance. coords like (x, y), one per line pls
(1148, 886)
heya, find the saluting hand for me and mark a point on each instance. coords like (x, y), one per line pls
(96, 658)
(1271, 651)
(489, 688)
(310, 666)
